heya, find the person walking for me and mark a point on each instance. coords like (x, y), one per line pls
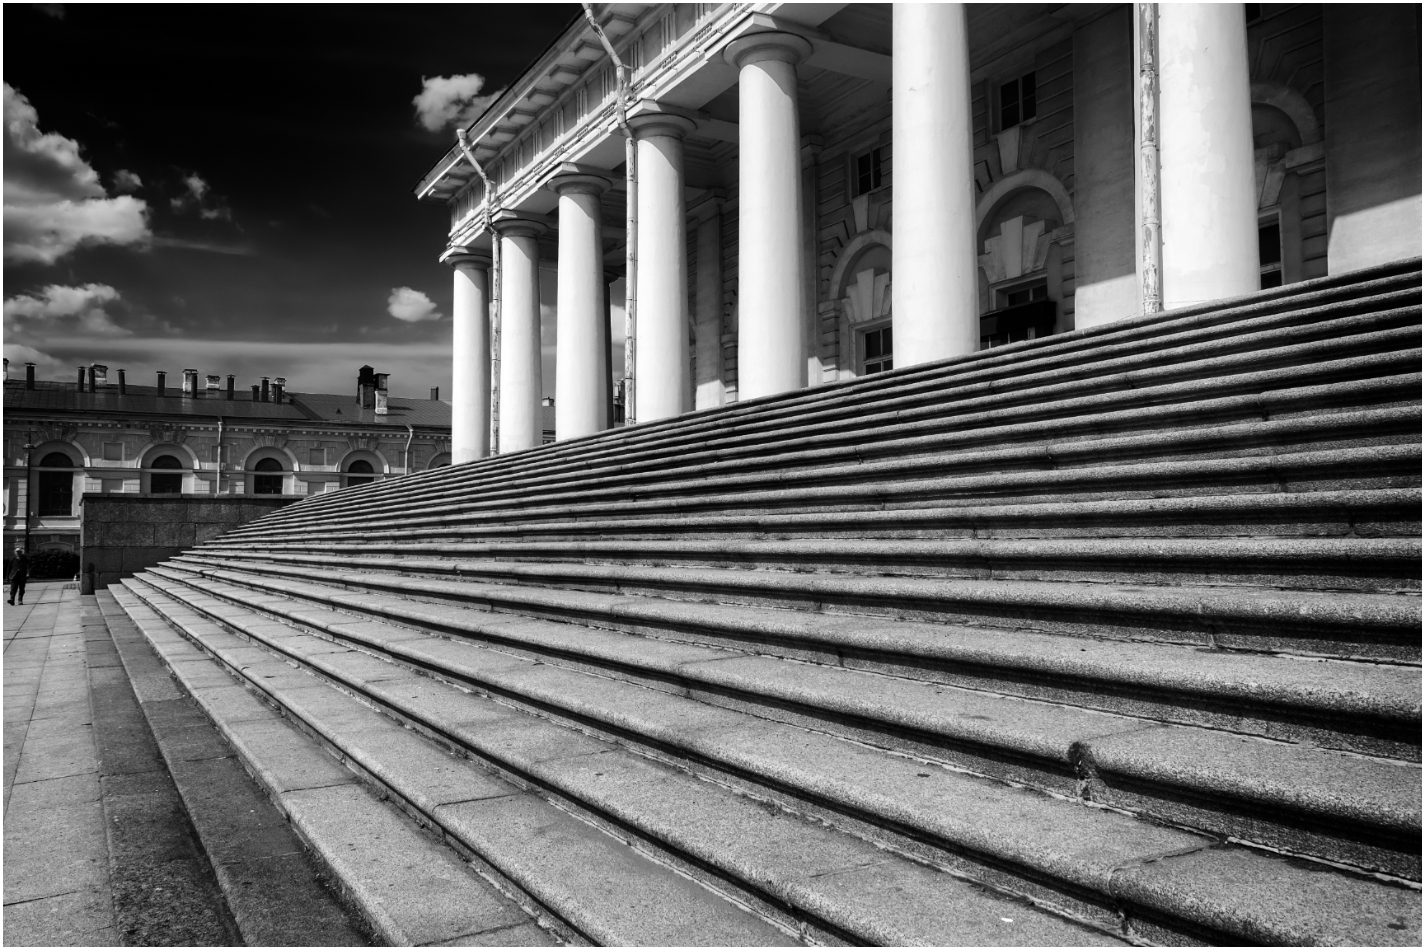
(19, 573)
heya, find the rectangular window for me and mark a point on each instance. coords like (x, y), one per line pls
(1269, 252)
(317, 457)
(1018, 298)
(113, 452)
(868, 172)
(1016, 101)
(877, 351)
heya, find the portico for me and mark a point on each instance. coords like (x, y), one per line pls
(1057, 169)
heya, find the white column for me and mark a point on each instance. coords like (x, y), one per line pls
(707, 338)
(770, 264)
(521, 383)
(934, 286)
(661, 346)
(470, 355)
(581, 367)
(1208, 186)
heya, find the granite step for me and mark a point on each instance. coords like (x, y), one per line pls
(1251, 457)
(550, 808)
(772, 411)
(1366, 564)
(1054, 850)
(1364, 707)
(1195, 408)
(1362, 625)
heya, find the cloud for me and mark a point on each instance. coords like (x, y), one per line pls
(53, 199)
(412, 306)
(126, 182)
(200, 197)
(73, 311)
(451, 101)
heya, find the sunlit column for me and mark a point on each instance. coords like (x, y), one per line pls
(770, 265)
(1207, 180)
(934, 285)
(581, 367)
(521, 383)
(661, 343)
(470, 355)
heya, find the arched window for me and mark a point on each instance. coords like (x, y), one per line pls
(359, 472)
(167, 482)
(56, 488)
(267, 484)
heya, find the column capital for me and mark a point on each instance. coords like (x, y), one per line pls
(767, 47)
(574, 179)
(651, 118)
(458, 256)
(513, 224)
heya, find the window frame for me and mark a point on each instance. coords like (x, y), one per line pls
(863, 331)
(1019, 99)
(874, 154)
(1278, 267)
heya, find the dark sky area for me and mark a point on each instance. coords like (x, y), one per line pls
(264, 223)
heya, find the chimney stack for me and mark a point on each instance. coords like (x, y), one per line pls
(190, 382)
(214, 382)
(162, 383)
(380, 400)
(29, 375)
(435, 394)
(279, 386)
(7, 368)
(266, 390)
(81, 379)
(256, 393)
(366, 388)
(123, 384)
(230, 387)
(98, 373)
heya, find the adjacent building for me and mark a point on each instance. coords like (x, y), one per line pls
(794, 194)
(64, 440)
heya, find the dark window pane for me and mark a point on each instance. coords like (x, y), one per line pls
(165, 484)
(1026, 96)
(362, 466)
(56, 460)
(886, 341)
(873, 345)
(57, 492)
(1272, 278)
(268, 465)
(1039, 293)
(887, 363)
(165, 461)
(352, 480)
(1269, 244)
(267, 484)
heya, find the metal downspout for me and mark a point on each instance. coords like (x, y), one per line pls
(630, 306)
(491, 202)
(410, 435)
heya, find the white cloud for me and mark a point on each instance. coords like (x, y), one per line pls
(200, 197)
(451, 101)
(412, 306)
(126, 182)
(77, 311)
(53, 199)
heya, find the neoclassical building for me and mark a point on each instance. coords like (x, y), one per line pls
(794, 194)
(67, 439)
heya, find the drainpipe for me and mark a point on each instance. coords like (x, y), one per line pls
(1149, 165)
(491, 203)
(218, 488)
(630, 280)
(29, 484)
(410, 435)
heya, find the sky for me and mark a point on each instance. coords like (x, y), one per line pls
(229, 188)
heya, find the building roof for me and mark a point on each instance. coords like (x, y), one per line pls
(51, 396)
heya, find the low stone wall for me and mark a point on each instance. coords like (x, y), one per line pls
(121, 535)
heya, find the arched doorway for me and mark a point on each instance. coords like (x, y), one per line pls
(267, 477)
(360, 472)
(56, 485)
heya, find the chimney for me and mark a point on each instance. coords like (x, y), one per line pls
(266, 390)
(123, 384)
(98, 376)
(7, 368)
(214, 382)
(230, 387)
(435, 394)
(190, 382)
(29, 375)
(81, 379)
(279, 385)
(256, 392)
(366, 387)
(162, 383)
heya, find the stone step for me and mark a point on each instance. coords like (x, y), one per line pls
(1374, 564)
(1053, 850)
(1362, 707)
(1368, 626)
(1094, 345)
(894, 437)
(1285, 456)
(522, 793)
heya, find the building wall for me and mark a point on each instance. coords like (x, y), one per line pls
(1372, 54)
(121, 536)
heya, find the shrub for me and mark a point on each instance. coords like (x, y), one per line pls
(46, 565)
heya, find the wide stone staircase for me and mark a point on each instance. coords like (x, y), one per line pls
(1108, 637)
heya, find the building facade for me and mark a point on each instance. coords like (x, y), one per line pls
(64, 440)
(1058, 167)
